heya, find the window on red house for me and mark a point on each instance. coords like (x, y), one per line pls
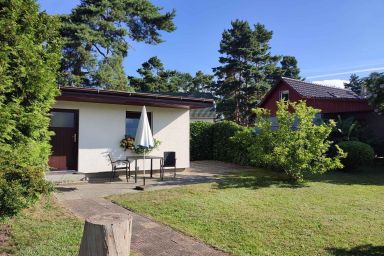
(284, 95)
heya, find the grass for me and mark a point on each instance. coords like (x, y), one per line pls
(45, 229)
(261, 213)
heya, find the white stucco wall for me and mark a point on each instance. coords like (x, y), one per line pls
(102, 126)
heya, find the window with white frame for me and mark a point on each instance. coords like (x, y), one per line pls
(132, 122)
(284, 95)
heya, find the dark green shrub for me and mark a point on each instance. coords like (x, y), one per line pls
(241, 144)
(213, 142)
(29, 61)
(223, 146)
(201, 141)
(359, 154)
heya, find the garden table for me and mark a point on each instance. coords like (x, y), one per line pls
(131, 159)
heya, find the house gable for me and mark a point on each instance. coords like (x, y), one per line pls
(327, 99)
(269, 101)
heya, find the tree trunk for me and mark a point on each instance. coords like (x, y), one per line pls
(107, 235)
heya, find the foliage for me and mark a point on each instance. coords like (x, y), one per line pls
(111, 75)
(375, 88)
(372, 87)
(297, 145)
(201, 143)
(289, 67)
(247, 71)
(355, 84)
(241, 144)
(141, 150)
(129, 143)
(21, 192)
(98, 30)
(155, 78)
(346, 129)
(29, 60)
(214, 141)
(358, 154)
(223, 146)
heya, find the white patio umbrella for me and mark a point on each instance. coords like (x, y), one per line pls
(143, 136)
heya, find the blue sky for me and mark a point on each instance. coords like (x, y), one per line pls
(330, 39)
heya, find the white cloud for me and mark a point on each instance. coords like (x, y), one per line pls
(332, 82)
(356, 71)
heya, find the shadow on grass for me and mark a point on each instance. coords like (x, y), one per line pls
(368, 175)
(258, 178)
(261, 178)
(366, 250)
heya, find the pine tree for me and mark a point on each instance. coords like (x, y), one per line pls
(355, 84)
(289, 67)
(110, 75)
(97, 30)
(201, 82)
(375, 91)
(29, 60)
(153, 77)
(248, 69)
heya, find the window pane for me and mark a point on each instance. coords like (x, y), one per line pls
(132, 122)
(284, 95)
(131, 125)
(63, 119)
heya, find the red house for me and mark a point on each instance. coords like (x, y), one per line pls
(332, 101)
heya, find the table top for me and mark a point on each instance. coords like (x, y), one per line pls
(142, 157)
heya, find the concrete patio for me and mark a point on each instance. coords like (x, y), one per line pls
(148, 236)
(199, 172)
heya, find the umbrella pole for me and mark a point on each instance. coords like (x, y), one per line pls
(144, 169)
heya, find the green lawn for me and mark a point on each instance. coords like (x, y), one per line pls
(44, 230)
(261, 213)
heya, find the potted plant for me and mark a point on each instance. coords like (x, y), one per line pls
(129, 143)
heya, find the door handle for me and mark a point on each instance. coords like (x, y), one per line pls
(75, 137)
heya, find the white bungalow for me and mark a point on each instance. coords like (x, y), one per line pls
(90, 123)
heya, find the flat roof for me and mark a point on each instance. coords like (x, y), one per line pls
(81, 94)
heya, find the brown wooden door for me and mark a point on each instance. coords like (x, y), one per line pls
(64, 123)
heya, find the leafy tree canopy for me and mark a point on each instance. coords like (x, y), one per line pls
(97, 34)
(248, 69)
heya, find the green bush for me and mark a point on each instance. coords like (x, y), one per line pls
(358, 153)
(241, 144)
(297, 145)
(213, 142)
(223, 147)
(201, 141)
(29, 61)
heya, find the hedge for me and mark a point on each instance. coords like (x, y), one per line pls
(201, 141)
(210, 141)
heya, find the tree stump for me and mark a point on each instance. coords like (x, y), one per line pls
(107, 235)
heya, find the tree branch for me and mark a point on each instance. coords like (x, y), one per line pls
(97, 48)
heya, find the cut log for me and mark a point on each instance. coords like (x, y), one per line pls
(107, 235)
